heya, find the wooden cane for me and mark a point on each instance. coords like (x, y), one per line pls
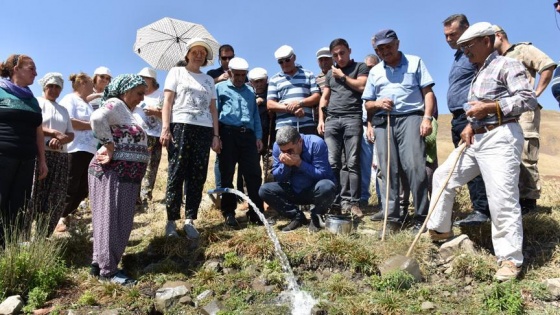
(462, 149)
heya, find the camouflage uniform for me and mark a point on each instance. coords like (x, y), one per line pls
(535, 61)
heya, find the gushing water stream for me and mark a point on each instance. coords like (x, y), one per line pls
(301, 301)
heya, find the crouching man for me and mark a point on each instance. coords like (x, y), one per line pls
(302, 175)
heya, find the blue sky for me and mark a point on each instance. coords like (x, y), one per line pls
(74, 36)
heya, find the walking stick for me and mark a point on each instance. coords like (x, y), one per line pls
(388, 176)
(462, 149)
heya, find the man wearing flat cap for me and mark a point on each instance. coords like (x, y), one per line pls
(241, 135)
(292, 93)
(325, 62)
(258, 77)
(499, 93)
(535, 61)
(399, 94)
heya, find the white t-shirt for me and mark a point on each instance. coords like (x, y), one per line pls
(55, 117)
(78, 109)
(150, 124)
(193, 93)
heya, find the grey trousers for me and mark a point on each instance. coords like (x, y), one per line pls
(407, 154)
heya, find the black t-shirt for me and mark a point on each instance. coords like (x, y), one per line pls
(344, 100)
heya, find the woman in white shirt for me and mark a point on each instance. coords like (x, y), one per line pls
(58, 131)
(82, 148)
(101, 78)
(190, 128)
(148, 114)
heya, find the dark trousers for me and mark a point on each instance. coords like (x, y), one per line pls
(16, 180)
(188, 156)
(78, 164)
(343, 136)
(282, 198)
(477, 190)
(239, 147)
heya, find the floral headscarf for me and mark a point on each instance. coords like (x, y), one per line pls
(121, 84)
(52, 78)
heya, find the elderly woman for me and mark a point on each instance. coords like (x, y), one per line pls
(21, 139)
(115, 174)
(148, 113)
(58, 131)
(101, 78)
(82, 148)
(190, 128)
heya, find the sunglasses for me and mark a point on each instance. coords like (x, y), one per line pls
(226, 58)
(555, 4)
(281, 61)
(468, 47)
(105, 77)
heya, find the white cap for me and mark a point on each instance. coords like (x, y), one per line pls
(284, 51)
(257, 74)
(479, 29)
(102, 71)
(148, 72)
(237, 63)
(324, 52)
(196, 41)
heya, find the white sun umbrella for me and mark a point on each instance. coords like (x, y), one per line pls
(163, 43)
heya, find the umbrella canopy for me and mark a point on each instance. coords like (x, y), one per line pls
(163, 43)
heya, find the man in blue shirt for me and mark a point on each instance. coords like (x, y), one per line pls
(399, 89)
(303, 176)
(241, 134)
(460, 78)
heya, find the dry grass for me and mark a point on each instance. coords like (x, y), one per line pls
(335, 269)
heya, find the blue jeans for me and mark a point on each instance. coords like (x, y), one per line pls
(282, 198)
(477, 190)
(366, 158)
(343, 137)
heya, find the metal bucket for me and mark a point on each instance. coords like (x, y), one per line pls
(338, 224)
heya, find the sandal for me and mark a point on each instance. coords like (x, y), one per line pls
(121, 278)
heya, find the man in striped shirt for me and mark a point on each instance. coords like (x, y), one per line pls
(292, 93)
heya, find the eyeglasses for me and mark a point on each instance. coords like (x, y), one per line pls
(468, 47)
(105, 77)
(555, 4)
(281, 61)
(226, 58)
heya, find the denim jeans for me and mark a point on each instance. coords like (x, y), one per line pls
(343, 136)
(282, 198)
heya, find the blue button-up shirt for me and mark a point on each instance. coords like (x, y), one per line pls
(313, 168)
(238, 107)
(402, 84)
(460, 78)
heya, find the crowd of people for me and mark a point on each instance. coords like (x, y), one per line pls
(320, 139)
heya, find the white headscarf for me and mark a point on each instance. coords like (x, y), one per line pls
(52, 78)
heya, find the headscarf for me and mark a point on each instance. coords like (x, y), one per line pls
(121, 84)
(52, 78)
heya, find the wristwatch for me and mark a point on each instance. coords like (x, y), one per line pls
(343, 79)
(430, 118)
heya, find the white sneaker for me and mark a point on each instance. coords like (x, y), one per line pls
(171, 229)
(190, 230)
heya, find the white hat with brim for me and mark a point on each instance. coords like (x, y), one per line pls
(324, 52)
(102, 71)
(195, 41)
(479, 29)
(284, 51)
(238, 64)
(257, 74)
(148, 72)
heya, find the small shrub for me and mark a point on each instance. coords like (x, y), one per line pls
(87, 298)
(504, 298)
(395, 281)
(36, 298)
(339, 286)
(473, 265)
(231, 260)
